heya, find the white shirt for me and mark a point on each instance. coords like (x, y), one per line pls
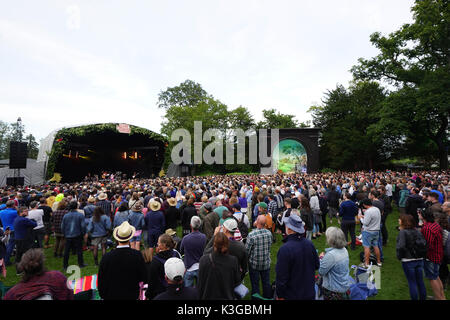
(238, 215)
(389, 190)
(37, 215)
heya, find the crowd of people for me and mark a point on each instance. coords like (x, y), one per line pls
(228, 225)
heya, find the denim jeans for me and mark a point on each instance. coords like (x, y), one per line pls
(265, 279)
(414, 274)
(189, 278)
(10, 247)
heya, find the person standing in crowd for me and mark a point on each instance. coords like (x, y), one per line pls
(317, 217)
(432, 233)
(176, 290)
(285, 214)
(186, 216)
(155, 224)
(23, 229)
(371, 230)
(155, 270)
(307, 216)
(37, 283)
(414, 202)
(47, 220)
(403, 195)
(136, 219)
(435, 206)
(258, 246)
(235, 248)
(121, 215)
(211, 221)
(99, 226)
(242, 220)
(348, 211)
(73, 228)
(218, 272)
(333, 202)
(297, 261)
(37, 215)
(7, 217)
(334, 266)
(192, 246)
(122, 269)
(172, 214)
(409, 253)
(104, 203)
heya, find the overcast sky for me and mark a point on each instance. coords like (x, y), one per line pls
(75, 62)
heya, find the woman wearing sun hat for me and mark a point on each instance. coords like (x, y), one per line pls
(122, 269)
(154, 224)
(136, 219)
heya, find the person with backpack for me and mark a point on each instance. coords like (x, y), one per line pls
(242, 220)
(432, 233)
(411, 251)
(155, 269)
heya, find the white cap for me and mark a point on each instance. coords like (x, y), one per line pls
(231, 225)
(174, 267)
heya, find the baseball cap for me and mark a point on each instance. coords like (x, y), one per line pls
(230, 224)
(263, 204)
(174, 269)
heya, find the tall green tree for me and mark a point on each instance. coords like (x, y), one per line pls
(416, 59)
(345, 117)
(277, 120)
(33, 146)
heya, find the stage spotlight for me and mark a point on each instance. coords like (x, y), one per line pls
(135, 155)
(124, 155)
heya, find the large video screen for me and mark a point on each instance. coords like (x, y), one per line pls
(289, 156)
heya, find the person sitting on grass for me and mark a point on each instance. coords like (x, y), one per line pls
(38, 283)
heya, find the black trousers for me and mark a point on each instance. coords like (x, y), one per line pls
(22, 246)
(323, 225)
(73, 243)
(349, 226)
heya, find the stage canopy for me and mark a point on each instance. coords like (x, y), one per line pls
(74, 152)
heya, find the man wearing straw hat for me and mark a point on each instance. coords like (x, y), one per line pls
(122, 269)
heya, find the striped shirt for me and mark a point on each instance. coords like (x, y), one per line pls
(273, 208)
(258, 245)
(106, 206)
(433, 235)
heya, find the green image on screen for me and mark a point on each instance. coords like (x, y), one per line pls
(289, 156)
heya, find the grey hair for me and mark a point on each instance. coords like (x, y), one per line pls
(335, 238)
(196, 222)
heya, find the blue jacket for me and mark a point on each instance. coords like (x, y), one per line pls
(73, 224)
(192, 247)
(99, 229)
(136, 219)
(297, 262)
(155, 222)
(88, 211)
(334, 268)
(348, 210)
(22, 228)
(120, 217)
(8, 216)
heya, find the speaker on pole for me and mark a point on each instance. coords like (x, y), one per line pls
(18, 155)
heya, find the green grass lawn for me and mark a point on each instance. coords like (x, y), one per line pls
(393, 281)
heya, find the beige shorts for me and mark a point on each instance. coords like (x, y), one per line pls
(99, 240)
